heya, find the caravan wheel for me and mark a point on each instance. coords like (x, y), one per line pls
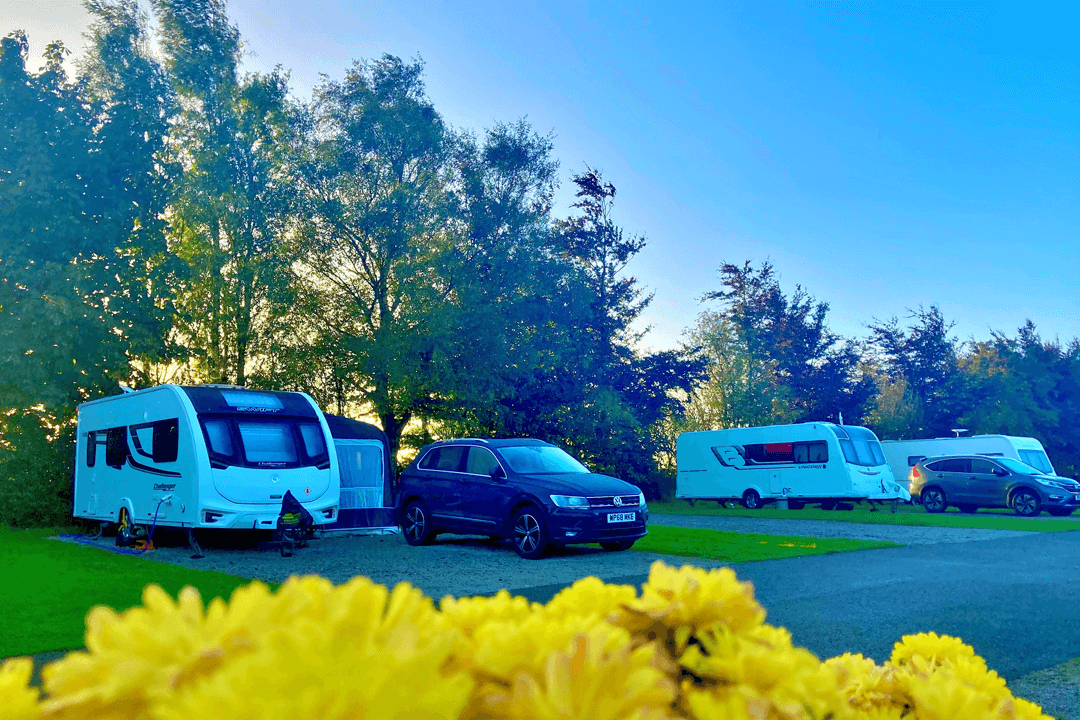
(751, 500)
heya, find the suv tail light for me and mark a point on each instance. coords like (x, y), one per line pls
(915, 473)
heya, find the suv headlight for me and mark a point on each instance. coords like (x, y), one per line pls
(569, 501)
(641, 499)
(1053, 484)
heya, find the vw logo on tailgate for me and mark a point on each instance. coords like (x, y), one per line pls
(617, 501)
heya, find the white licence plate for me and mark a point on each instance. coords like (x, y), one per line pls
(621, 517)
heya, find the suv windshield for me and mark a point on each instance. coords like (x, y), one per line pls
(1018, 467)
(536, 459)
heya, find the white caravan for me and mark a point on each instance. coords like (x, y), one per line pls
(810, 462)
(903, 454)
(207, 456)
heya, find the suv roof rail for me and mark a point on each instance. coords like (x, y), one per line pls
(483, 440)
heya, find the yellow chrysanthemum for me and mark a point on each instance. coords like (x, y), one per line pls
(589, 680)
(866, 684)
(148, 652)
(765, 667)
(18, 700)
(504, 649)
(294, 675)
(943, 696)
(934, 647)
(468, 613)
(676, 604)
(589, 596)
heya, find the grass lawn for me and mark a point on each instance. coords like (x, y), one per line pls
(743, 547)
(49, 586)
(905, 515)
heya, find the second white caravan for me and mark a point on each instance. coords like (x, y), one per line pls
(809, 462)
(903, 454)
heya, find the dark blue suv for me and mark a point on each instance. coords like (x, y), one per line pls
(526, 490)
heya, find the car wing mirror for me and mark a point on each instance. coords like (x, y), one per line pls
(1001, 473)
(497, 473)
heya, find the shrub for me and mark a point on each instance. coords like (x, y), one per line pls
(692, 644)
(36, 470)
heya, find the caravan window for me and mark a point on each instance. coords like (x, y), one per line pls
(268, 442)
(219, 436)
(812, 452)
(860, 446)
(314, 442)
(1037, 459)
(116, 447)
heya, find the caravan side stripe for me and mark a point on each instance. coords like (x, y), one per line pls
(153, 471)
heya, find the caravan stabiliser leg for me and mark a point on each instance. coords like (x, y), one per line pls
(194, 544)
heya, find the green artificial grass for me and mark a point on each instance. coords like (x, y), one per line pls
(49, 586)
(743, 547)
(905, 515)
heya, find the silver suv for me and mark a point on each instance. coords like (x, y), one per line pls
(973, 481)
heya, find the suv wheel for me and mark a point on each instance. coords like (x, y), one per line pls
(751, 500)
(618, 545)
(416, 524)
(933, 499)
(1026, 503)
(530, 533)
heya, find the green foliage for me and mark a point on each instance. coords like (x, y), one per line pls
(36, 462)
(770, 358)
(733, 547)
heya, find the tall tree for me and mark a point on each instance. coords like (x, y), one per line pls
(622, 395)
(788, 365)
(232, 220)
(925, 356)
(382, 248)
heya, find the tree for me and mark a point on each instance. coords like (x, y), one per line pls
(381, 247)
(620, 396)
(774, 355)
(232, 219)
(925, 356)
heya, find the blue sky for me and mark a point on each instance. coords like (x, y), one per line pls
(884, 156)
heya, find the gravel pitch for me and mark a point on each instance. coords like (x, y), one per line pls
(459, 565)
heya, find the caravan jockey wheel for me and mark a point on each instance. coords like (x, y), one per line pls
(125, 534)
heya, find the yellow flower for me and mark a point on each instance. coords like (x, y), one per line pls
(943, 696)
(934, 647)
(504, 649)
(18, 700)
(589, 680)
(676, 604)
(866, 684)
(468, 613)
(589, 596)
(302, 673)
(765, 668)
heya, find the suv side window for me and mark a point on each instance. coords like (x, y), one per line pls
(481, 461)
(983, 467)
(954, 465)
(447, 459)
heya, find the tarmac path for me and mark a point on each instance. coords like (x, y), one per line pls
(1016, 599)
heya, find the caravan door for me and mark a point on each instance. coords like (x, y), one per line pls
(360, 463)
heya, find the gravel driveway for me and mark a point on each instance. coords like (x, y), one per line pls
(457, 565)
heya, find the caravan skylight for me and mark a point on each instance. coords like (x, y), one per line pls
(263, 401)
